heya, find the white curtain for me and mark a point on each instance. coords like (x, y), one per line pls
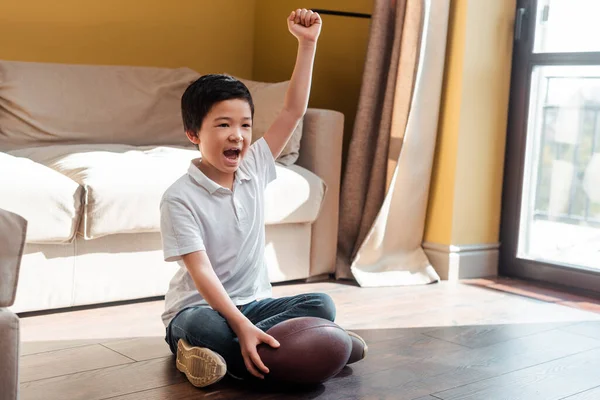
(391, 253)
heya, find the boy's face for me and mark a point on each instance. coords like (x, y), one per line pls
(225, 135)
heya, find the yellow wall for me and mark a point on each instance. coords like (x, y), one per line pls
(465, 201)
(438, 228)
(206, 35)
(253, 42)
(340, 55)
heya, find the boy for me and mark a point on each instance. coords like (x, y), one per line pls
(218, 306)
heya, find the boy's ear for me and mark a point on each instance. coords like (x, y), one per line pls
(193, 137)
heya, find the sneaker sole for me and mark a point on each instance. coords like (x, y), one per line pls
(200, 365)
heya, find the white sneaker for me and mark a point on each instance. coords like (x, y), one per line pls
(200, 365)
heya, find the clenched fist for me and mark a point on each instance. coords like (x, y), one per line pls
(305, 25)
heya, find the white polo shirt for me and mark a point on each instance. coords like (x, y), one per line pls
(197, 214)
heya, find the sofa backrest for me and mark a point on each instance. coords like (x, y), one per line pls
(43, 104)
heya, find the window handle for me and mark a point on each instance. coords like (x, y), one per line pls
(521, 12)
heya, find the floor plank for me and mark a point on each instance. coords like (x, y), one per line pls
(140, 349)
(427, 398)
(105, 383)
(592, 306)
(97, 324)
(590, 329)
(548, 381)
(429, 372)
(481, 336)
(225, 391)
(373, 336)
(535, 290)
(28, 348)
(423, 340)
(68, 361)
(180, 391)
(592, 394)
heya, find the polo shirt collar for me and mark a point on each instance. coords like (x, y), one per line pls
(208, 183)
(241, 175)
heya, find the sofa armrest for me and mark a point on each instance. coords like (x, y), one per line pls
(9, 361)
(321, 153)
(13, 229)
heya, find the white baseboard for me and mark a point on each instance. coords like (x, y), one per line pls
(463, 262)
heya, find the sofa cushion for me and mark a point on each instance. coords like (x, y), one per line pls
(44, 103)
(123, 184)
(268, 102)
(48, 200)
(294, 197)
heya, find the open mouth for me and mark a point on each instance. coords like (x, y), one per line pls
(232, 154)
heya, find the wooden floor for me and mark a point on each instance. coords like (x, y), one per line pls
(478, 340)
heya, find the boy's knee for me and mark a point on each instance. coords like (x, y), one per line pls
(323, 306)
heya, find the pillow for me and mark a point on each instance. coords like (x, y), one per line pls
(45, 103)
(48, 200)
(123, 184)
(268, 102)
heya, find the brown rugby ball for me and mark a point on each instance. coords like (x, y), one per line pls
(311, 351)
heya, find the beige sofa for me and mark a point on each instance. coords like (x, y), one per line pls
(86, 153)
(12, 240)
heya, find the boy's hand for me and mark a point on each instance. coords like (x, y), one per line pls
(250, 337)
(305, 25)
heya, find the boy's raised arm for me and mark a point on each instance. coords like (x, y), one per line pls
(305, 25)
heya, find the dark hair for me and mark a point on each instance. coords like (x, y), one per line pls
(202, 94)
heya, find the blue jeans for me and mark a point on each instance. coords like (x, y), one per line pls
(205, 327)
